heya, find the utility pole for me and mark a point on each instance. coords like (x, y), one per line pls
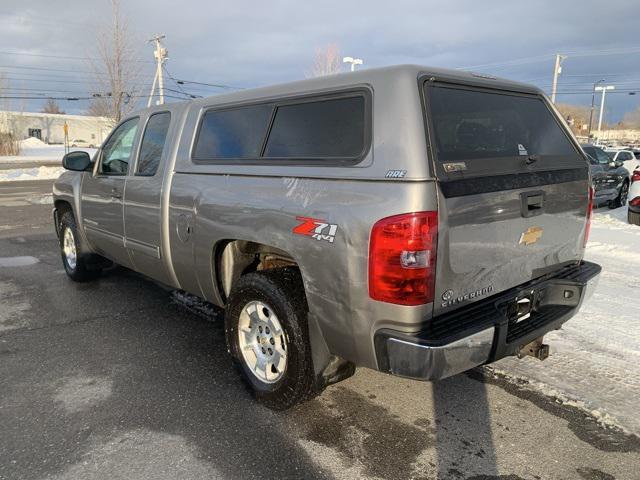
(557, 70)
(602, 89)
(161, 55)
(352, 61)
(593, 99)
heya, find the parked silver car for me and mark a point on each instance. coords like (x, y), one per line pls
(411, 220)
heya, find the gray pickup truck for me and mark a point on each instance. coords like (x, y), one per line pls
(411, 220)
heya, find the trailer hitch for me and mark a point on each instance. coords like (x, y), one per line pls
(535, 349)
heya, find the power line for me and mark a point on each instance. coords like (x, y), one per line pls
(68, 57)
(217, 85)
(78, 97)
(539, 58)
(178, 84)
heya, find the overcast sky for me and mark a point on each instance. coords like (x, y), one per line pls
(252, 43)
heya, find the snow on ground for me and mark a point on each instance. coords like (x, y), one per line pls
(37, 161)
(36, 173)
(595, 358)
(34, 150)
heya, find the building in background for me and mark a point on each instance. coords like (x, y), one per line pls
(49, 127)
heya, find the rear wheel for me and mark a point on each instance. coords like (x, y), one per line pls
(633, 217)
(621, 199)
(267, 336)
(80, 266)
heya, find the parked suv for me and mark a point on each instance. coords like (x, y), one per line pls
(412, 220)
(627, 157)
(610, 179)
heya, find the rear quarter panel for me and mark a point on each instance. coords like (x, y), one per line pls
(264, 210)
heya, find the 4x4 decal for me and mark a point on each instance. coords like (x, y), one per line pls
(316, 228)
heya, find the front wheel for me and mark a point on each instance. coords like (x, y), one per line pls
(80, 266)
(621, 199)
(267, 336)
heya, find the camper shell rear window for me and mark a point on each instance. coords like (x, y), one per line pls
(472, 124)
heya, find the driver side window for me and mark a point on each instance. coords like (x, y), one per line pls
(117, 151)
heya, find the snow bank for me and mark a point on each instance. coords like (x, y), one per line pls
(39, 173)
(31, 142)
(595, 358)
(33, 150)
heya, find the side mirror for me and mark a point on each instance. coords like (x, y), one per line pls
(77, 161)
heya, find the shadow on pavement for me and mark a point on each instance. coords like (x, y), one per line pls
(463, 428)
(138, 394)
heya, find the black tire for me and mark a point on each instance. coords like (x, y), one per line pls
(282, 290)
(633, 217)
(621, 199)
(87, 266)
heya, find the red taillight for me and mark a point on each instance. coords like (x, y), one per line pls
(402, 258)
(635, 177)
(635, 202)
(587, 229)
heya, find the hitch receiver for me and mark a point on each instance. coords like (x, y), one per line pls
(535, 349)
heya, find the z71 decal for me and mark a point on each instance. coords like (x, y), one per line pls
(316, 228)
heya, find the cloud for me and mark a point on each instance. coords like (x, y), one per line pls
(250, 43)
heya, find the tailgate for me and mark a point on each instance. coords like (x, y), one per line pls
(513, 191)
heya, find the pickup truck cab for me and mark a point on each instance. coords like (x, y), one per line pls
(411, 220)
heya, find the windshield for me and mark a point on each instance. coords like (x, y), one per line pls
(598, 154)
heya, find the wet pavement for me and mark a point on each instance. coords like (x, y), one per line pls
(117, 379)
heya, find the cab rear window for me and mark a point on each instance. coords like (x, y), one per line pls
(472, 124)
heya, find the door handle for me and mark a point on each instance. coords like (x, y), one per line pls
(115, 193)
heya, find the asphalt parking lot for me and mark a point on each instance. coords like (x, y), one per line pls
(116, 379)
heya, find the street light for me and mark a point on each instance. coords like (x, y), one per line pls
(352, 61)
(593, 99)
(602, 89)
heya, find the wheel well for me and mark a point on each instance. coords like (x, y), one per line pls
(234, 258)
(61, 207)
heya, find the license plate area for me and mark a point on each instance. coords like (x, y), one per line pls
(521, 308)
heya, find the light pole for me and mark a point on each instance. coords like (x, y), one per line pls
(602, 89)
(352, 61)
(557, 70)
(593, 99)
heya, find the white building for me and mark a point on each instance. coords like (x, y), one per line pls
(49, 127)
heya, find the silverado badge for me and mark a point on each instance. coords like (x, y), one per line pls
(531, 235)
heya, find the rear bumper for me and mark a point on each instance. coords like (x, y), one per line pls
(486, 331)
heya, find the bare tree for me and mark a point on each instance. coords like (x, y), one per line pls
(577, 116)
(51, 106)
(115, 69)
(9, 144)
(327, 61)
(632, 119)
